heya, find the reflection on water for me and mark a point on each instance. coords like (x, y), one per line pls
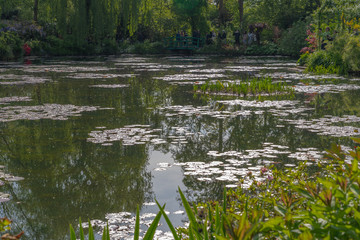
(95, 138)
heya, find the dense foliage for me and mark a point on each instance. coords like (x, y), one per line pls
(86, 27)
(333, 39)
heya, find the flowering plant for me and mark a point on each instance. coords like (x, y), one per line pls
(312, 41)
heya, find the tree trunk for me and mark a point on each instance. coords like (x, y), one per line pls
(241, 12)
(221, 12)
(36, 8)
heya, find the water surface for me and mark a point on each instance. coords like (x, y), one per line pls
(94, 138)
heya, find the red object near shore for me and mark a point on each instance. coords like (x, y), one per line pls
(27, 49)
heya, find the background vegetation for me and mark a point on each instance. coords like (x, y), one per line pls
(87, 27)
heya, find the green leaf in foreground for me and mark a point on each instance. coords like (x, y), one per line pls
(137, 224)
(72, 233)
(82, 237)
(172, 229)
(151, 231)
(91, 232)
(189, 211)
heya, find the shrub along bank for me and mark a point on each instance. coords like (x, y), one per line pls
(333, 40)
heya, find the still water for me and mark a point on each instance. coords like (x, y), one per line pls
(94, 138)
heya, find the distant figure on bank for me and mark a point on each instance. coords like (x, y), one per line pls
(237, 37)
(245, 38)
(251, 38)
(223, 37)
(27, 49)
(213, 36)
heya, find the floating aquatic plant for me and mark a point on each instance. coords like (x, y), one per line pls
(110, 86)
(21, 79)
(326, 125)
(324, 88)
(138, 134)
(46, 111)
(191, 77)
(299, 76)
(7, 100)
(63, 69)
(252, 86)
(99, 75)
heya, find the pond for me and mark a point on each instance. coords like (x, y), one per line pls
(96, 137)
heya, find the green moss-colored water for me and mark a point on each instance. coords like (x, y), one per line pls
(93, 137)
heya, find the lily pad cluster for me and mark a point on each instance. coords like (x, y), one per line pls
(46, 111)
(63, 68)
(100, 75)
(7, 100)
(325, 88)
(12, 79)
(328, 125)
(6, 177)
(139, 134)
(129, 135)
(190, 77)
(110, 86)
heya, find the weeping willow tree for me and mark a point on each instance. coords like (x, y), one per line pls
(95, 20)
